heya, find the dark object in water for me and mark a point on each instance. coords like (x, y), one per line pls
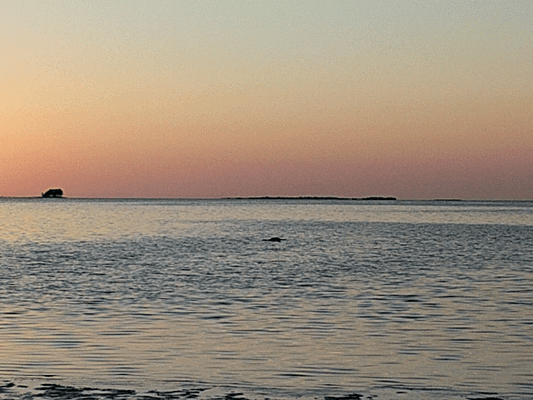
(274, 239)
(353, 396)
(53, 193)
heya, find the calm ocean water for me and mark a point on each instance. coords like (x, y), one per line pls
(183, 298)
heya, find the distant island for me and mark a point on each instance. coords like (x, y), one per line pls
(377, 198)
(388, 198)
(52, 193)
(447, 200)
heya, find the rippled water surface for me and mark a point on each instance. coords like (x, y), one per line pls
(183, 298)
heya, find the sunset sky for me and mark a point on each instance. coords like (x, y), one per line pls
(416, 99)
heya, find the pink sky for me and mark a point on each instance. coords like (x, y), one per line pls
(252, 99)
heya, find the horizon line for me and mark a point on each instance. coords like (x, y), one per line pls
(385, 199)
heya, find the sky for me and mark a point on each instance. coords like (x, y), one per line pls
(417, 99)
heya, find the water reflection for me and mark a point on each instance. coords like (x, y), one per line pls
(79, 219)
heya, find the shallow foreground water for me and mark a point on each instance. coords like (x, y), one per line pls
(184, 299)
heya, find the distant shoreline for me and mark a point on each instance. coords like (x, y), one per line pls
(381, 198)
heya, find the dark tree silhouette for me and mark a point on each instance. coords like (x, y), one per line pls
(53, 193)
